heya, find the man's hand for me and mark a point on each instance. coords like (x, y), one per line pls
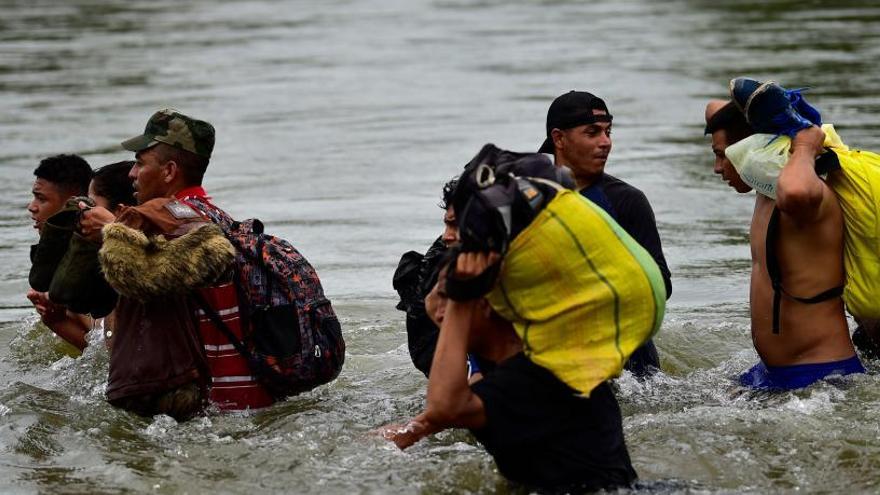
(405, 435)
(72, 328)
(49, 312)
(470, 265)
(93, 220)
(810, 140)
(473, 276)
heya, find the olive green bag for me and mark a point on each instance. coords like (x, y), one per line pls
(54, 238)
(66, 265)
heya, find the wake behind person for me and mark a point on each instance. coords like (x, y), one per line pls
(798, 323)
(544, 411)
(579, 137)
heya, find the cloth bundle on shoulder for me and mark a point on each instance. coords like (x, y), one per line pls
(854, 175)
(580, 292)
(65, 264)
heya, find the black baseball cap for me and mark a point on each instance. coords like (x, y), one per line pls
(571, 110)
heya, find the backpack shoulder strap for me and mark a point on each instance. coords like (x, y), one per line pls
(775, 273)
(220, 325)
(216, 215)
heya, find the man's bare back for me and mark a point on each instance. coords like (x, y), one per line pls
(811, 260)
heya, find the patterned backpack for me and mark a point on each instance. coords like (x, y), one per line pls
(294, 342)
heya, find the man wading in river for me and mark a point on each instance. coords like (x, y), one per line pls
(166, 353)
(814, 339)
(579, 137)
(535, 261)
(57, 179)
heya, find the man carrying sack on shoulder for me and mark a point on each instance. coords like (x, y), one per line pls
(536, 258)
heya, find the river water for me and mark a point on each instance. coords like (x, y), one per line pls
(337, 124)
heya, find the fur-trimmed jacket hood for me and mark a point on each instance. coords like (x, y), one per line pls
(142, 267)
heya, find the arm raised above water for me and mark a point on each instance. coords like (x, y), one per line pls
(451, 402)
(800, 193)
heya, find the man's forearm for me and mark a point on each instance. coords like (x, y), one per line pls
(448, 378)
(71, 329)
(449, 394)
(799, 191)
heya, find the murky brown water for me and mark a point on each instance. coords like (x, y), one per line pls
(338, 122)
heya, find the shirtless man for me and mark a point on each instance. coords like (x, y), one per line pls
(813, 339)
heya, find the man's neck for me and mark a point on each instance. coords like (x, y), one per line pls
(585, 182)
(503, 349)
(582, 182)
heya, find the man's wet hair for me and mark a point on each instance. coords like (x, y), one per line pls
(112, 182)
(730, 119)
(448, 191)
(192, 166)
(70, 173)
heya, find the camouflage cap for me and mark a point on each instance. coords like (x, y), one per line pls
(174, 129)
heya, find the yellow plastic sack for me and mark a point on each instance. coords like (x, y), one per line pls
(857, 185)
(759, 158)
(581, 293)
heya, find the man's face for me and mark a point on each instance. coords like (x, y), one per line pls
(148, 176)
(723, 167)
(450, 231)
(585, 148)
(435, 301)
(48, 199)
(98, 199)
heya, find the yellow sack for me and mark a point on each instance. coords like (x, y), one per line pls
(581, 293)
(857, 185)
(759, 158)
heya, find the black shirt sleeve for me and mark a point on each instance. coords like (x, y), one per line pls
(635, 215)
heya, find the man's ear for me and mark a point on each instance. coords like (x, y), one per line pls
(171, 170)
(556, 136)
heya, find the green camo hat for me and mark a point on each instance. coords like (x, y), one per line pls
(174, 129)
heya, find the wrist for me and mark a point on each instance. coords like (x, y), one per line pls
(806, 149)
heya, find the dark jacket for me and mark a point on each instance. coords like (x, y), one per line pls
(156, 343)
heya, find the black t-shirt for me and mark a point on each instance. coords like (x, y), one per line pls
(630, 207)
(543, 435)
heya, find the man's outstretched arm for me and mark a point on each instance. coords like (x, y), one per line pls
(451, 402)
